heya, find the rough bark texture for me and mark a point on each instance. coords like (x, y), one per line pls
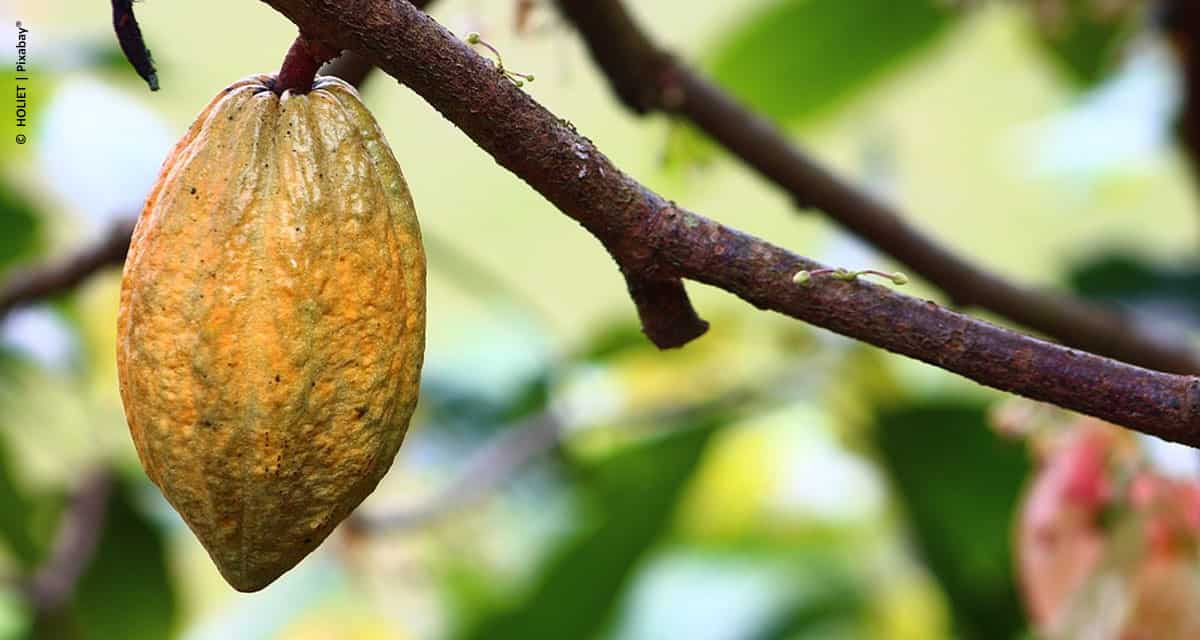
(647, 79)
(650, 235)
(31, 285)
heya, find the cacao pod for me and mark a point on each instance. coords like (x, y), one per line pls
(272, 322)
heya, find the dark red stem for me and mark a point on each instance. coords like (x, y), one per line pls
(300, 65)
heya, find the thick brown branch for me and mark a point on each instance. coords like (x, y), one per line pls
(647, 79)
(29, 286)
(636, 223)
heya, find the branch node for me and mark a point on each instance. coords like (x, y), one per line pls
(668, 318)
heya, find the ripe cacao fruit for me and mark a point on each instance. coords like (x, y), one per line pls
(272, 322)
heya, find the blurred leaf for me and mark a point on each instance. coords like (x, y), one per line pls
(458, 405)
(1085, 44)
(795, 58)
(840, 602)
(613, 340)
(634, 493)
(960, 484)
(1135, 281)
(126, 591)
(18, 227)
(103, 56)
(18, 511)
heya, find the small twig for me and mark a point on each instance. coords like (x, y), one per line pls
(129, 36)
(846, 275)
(50, 588)
(488, 468)
(518, 79)
(31, 285)
(505, 454)
(668, 318)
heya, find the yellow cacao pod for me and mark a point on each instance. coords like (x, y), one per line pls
(272, 322)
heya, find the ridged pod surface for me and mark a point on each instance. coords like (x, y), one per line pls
(272, 322)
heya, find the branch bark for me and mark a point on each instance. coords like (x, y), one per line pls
(647, 233)
(648, 79)
(51, 587)
(490, 467)
(37, 283)
(1180, 20)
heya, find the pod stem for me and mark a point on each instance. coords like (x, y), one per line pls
(300, 65)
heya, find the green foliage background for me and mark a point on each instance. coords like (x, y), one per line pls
(765, 482)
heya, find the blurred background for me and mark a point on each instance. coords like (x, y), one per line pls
(562, 478)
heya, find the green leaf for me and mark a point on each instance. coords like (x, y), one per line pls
(634, 494)
(1085, 44)
(18, 227)
(960, 484)
(1134, 281)
(18, 509)
(794, 59)
(126, 591)
(841, 603)
(613, 340)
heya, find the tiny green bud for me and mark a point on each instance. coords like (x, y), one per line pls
(899, 278)
(802, 277)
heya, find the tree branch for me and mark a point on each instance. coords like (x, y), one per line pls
(129, 36)
(655, 236)
(499, 459)
(648, 79)
(51, 587)
(1180, 19)
(35, 284)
